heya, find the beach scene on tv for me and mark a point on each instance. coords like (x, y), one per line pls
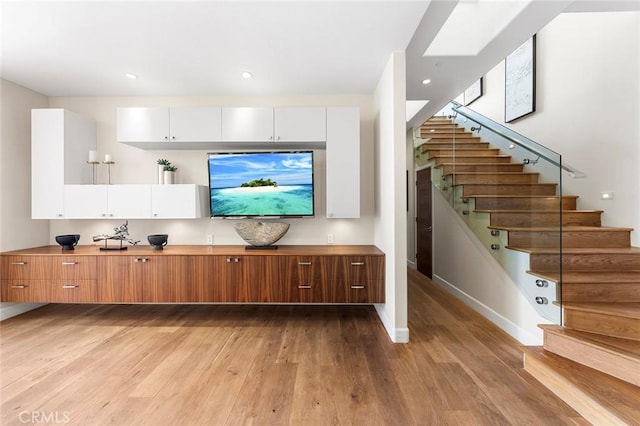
(261, 184)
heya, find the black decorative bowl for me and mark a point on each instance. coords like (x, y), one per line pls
(68, 242)
(158, 241)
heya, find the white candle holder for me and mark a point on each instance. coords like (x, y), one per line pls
(109, 163)
(93, 171)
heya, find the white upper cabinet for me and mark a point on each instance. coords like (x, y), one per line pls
(195, 124)
(300, 124)
(343, 162)
(139, 201)
(107, 201)
(60, 145)
(182, 201)
(247, 124)
(169, 128)
(142, 124)
(267, 124)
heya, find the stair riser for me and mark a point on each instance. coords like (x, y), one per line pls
(605, 292)
(424, 134)
(477, 159)
(454, 139)
(585, 262)
(607, 325)
(570, 239)
(484, 168)
(439, 146)
(525, 204)
(462, 179)
(464, 152)
(537, 189)
(544, 219)
(609, 363)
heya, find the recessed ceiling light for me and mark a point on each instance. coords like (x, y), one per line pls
(426, 81)
(246, 74)
(131, 76)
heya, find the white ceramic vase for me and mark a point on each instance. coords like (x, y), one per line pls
(169, 177)
(160, 174)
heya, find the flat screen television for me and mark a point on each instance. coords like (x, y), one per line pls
(261, 184)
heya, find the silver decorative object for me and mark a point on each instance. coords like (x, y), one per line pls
(261, 234)
(121, 233)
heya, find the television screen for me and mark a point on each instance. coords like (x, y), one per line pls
(261, 183)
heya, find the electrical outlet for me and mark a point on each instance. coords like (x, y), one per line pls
(210, 239)
(329, 238)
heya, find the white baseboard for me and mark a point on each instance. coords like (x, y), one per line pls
(525, 337)
(412, 264)
(397, 335)
(8, 310)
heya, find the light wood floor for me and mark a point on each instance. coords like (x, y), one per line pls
(267, 365)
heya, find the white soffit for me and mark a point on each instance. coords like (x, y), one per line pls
(413, 107)
(472, 25)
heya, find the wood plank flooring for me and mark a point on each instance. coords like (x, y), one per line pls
(267, 365)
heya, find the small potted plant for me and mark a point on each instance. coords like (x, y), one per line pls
(162, 162)
(170, 174)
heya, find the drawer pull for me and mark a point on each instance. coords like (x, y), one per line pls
(304, 263)
(303, 287)
(357, 263)
(70, 286)
(18, 263)
(69, 263)
(141, 260)
(357, 287)
(19, 286)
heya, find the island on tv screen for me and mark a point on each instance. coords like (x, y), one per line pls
(261, 184)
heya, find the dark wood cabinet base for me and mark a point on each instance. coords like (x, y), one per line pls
(195, 274)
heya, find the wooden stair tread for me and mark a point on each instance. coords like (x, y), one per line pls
(523, 196)
(623, 347)
(600, 398)
(597, 277)
(627, 310)
(493, 173)
(568, 228)
(538, 211)
(580, 250)
(471, 156)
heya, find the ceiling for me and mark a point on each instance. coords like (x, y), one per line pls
(303, 47)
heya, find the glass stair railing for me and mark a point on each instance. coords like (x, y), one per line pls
(508, 190)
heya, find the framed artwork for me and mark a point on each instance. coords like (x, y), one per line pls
(473, 92)
(520, 81)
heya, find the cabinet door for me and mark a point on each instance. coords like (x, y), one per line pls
(196, 124)
(116, 280)
(73, 291)
(178, 201)
(247, 124)
(363, 278)
(85, 201)
(343, 162)
(26, 267)
(305, 279)
(71, 267)
(60, 143)
(300, 124)
(162, 278)
(143, 124)
(129, 201)
(23, 291)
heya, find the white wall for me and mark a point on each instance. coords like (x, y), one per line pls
(390, 215)
(134, 165)
(587, 108)
(17, 229)
(588, 104)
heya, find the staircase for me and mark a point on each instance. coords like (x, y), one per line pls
(592, 361)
